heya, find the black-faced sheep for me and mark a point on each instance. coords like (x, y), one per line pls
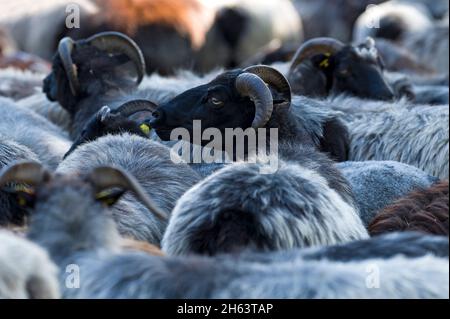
(26, 271)
(296, 206)
(254, 98)
(88, 74)
(424, 210)
(325, 66)
(376, 184)
(124, 119)
(152, 164)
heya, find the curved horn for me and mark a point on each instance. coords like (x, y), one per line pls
(104, 177)
(65, 48)
(314, 47)
(251, 85)
(119, 42)
(135, 106)
(274, 78)
(28, 172)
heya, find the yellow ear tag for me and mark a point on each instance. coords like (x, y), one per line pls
(326, 62)
(145, 129)
(22, 201)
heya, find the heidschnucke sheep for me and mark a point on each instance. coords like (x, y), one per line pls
(296, 206)
(424, 210)
(325, 66)
(253, 98)
(88, 74)
(86, 236)
(152, 164)
(26, 271)
(376, 184)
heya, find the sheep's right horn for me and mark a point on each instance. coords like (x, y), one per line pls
(135, 106)
(27, 172)
(273, 77)
(105, 177)
(251, 85)
(65, 48)
(119, 42)
(314, 47)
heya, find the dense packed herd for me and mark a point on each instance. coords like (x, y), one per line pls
(91, 179)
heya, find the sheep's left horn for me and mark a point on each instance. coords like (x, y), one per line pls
(251, 85)
(313, 47)
(65, 48)
(135, 106)
(27, 172)
(119, 42)
(275, 79)
(105, 177)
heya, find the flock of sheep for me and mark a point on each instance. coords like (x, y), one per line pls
(92, 189)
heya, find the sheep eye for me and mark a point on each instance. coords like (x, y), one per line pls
(215, 101)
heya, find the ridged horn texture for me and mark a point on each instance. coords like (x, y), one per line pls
(314, 47)
(275, 79)
(111, 41)
(30, 173)
(135, 106)
(252, 86)
(105, 177)
(65, 48)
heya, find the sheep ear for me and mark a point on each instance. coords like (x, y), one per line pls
(322, 61)
(109, 197)
(25, 196)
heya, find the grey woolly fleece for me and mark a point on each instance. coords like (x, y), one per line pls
(376, 184)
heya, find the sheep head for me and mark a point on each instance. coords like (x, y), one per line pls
(129, 117)
(92, 66)
(356, 70)
(235, 99)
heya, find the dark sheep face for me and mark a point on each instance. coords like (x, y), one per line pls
(97, 71)
(215, 104)
(106, 122)
(56, 85)
(360, 77)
